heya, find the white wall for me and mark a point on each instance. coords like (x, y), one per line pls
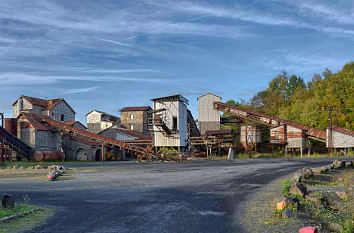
(174, 109)
(206, 111)
(340, 140)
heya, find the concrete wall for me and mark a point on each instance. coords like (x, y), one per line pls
(208, 117)
(174, 109)
(340, 140)
(75, 150)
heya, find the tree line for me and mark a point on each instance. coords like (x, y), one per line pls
(290, 98)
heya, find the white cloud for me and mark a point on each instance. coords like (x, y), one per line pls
(29, 79)
(79, 90)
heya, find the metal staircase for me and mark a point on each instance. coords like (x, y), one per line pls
(160, 123)
(193, 128)
(15, 144)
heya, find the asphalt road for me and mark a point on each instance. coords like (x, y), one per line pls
(203, 196)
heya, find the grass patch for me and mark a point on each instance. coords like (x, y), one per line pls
(27, 222)
(19, 208)
(286, 188)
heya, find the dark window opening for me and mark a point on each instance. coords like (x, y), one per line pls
(62, 117)
(174, 123)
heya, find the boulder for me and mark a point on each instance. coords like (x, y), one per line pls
(304, 173)
(298, 189)
(291, 201)
(335, 227)
(52, 167)
(15, 167)
(8, 201)
(38, 167)
(62, 170)
(316, 170)
(308, 229)
(348, 164)
(287, 213)
(338, 164)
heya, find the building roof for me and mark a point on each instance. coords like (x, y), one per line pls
(209, 94)
(136, 108)
(103, 113)
(35, 121)
(47, 104)
(72, 123)
(177, 97)
(131, 133)
(343, 131)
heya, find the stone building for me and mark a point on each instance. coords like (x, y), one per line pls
(98, 121)
(136, 118)
(76, 124)
(57, 109)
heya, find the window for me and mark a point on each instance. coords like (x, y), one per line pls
(62, 117)
(131, 127)
(174, 123)
(131, 117)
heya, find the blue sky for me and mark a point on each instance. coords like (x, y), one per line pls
(109, 54)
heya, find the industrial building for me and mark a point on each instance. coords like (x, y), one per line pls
(46, 129)
(137, 119)
(98, 121)
(208, 116)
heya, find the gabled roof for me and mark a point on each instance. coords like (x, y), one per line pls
(102, 113)
(343, 131)
(131, 133)
(209, 94)
(177, 97)
(136, 108)
(35, 121)
(72, 123)
(47, 104)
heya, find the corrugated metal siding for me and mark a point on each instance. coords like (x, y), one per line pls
(340, 140)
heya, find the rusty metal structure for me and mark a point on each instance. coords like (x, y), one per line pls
(139, 151)
(317, 134)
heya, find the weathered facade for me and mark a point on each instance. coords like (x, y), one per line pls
(76, 124)
(170, 121)
(136, 118)
(208, 117)
(250, 136)
(340, 138)
(98, 121)
(57, 109)
(123, 134)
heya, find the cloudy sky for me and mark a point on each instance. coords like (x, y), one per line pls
(109, 54)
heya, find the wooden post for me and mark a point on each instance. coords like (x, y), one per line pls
(301, 150)
(286, 150)
(102, 151)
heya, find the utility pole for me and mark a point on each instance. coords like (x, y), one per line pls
(2, 138)
(330, 130)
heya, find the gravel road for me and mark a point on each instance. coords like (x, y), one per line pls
(198, 196)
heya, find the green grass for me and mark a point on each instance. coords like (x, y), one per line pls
(19, 208)
(27, 222)
(286, 188)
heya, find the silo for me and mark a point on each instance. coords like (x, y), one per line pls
(208, 117)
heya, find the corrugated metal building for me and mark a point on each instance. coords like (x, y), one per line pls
(208, 117)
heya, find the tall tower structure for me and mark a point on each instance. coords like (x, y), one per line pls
(208, 117)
